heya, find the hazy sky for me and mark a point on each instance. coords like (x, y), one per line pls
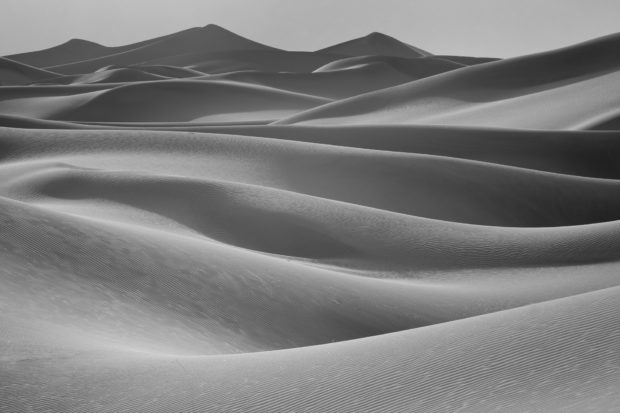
(469, 27)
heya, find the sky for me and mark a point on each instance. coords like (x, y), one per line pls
(498, 28)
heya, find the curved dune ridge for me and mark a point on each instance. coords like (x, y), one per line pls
(200, 222)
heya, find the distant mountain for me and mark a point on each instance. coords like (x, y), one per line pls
(81, 56)
(208, 39)
(214, 50)
(376, 44)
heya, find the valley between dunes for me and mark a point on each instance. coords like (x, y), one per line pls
(203, 223)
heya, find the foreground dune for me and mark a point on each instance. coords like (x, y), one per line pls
(199, 222)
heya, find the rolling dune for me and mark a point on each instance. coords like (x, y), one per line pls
(200, 222)
(180, 100)
(331, 85)
(511, 93)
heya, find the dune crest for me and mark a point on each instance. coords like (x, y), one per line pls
(375, 44)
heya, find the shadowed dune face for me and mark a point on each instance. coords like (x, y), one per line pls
(200, 222)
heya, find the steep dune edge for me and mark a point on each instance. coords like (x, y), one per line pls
(507, 93)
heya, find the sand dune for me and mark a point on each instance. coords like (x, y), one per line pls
(567, 344)
(375, 44)
(199, 222)
(209, 39)
(77, 50)
(72, 50)
(509, 93)
(331, 85)
(260, 60)
(163, 101)
(15, 73)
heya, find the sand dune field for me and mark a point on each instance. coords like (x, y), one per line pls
(203, 223)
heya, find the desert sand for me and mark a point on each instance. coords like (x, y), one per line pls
(200, 222)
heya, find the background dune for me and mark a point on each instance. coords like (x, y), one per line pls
(16, 73)
(161, 101)
(375, 44)
(199, 222)
(512, 93)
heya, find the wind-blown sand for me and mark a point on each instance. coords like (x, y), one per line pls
(199, 222)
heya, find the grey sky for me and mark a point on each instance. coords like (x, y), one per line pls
(469, 27)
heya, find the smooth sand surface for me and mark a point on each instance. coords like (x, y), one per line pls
(199, 222)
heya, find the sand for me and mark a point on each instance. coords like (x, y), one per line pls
(200, 222)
